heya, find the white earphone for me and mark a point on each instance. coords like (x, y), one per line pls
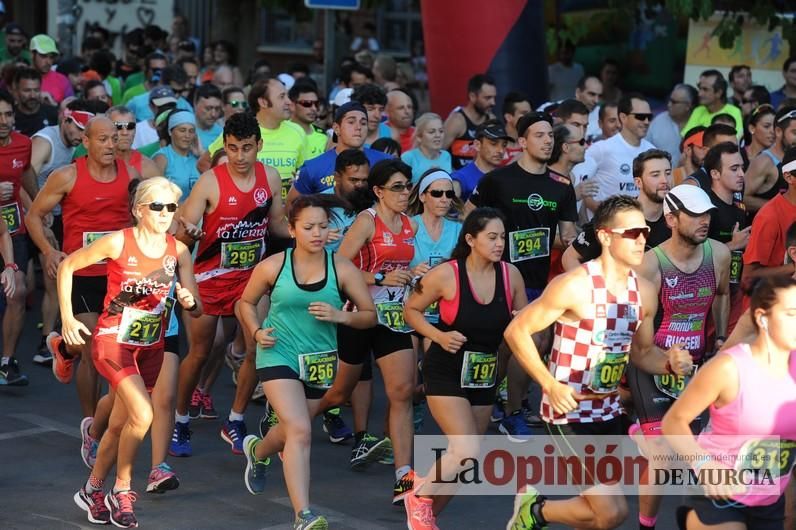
(764, 322)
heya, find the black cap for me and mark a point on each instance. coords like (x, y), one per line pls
(13, 28)
(493, 130)
(351, 106)
(529, 119)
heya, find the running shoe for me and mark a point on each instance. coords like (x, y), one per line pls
(258, 392)
(256, 470)
(208, 411)
(43, 357)
(195, 405)
(403, 486)
(498, 412)
(388, 458)
(162, 479)
(11, 376)
(268, 420)
(181, 440)
(419, 416)
(233, 360)
(527, 506)
(419, 513)
(335, 427)
(307, 520)
(120, 505)
(514, 427)
(233, 432)
(531, 418)
(369, 449)
(62, 368)
(88, 450)
(94, 505)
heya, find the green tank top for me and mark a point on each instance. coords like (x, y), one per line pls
(297, 332)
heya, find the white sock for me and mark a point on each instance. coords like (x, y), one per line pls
(401, 471)
(234, 416)
(180, 418)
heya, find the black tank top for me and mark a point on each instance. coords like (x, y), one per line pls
(482, 324)
(779, 186)
(461, 149)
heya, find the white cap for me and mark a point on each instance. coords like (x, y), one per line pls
(343, 96)
(687, 198)
(287, 80)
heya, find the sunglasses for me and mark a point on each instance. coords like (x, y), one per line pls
(122, 125)
(642, 116)
(675, 102)
(241, 104)
(306, 103)
(580, 142)
(437, 194)
(749, 101)
(398, 188)
(158, 206)
(787, 116)
(631, 233)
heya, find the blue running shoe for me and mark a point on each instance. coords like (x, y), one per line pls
(335, 427)
(515, 428)
(233, 432)
(254, 476)
(181, 440)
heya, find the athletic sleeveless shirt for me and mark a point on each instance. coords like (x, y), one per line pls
(780, 185)
(137, 304)
(236, 229)
(591, 354)
(299, 332)
(762, 408)
(135, 160)
(385, 252)
(461, 149)
(93, 209)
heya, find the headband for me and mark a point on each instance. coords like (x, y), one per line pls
(790, 166)
(429, 179)
(180, 118)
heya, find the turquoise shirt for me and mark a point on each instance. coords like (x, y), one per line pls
(181, 170)
(434, 252)
(206, 137)
(420, 164)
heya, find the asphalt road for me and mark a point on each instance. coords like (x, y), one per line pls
(42, 469)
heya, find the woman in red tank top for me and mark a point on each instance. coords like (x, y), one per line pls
(381, 243)
(127, 347)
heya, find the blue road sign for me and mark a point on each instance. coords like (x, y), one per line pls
(332, 4)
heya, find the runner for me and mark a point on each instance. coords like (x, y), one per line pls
(308, 286)
(515, 106)
(691, 275)
(745, 390)
(93, 192)
(652, 172)
(764, 178)
(490, 147)
(759, 135)
(128, 340)
(9, 366)
(124, 120)
(577, 399)
(235, 203)
(304, 98)
(374, 99)
(537, 208)
(14, 165)
(381, 244)
(462, 122)
(177, 159)
(477, 294)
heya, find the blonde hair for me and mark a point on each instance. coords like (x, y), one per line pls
(149, 188)
(422, 124)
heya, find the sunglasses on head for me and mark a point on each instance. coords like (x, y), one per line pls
(306, 103)
(158, 206)
(437, 194)
(398, 188)
(241, 104)
(642, 116)
(631, 233)
(788, 116)
(761, 108)
(121, 125)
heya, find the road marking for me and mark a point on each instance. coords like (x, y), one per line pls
(23, 433)
(47, 423)
(64, 521)
(332, 516)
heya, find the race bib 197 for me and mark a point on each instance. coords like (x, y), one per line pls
(479, 370)
(529, 244)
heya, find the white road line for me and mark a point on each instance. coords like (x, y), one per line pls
(23, 433)
(333, 516)
(47, 423)
(64, 521)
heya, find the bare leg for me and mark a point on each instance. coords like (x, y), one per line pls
(202, 333)
(87, 380)
(163, 397)
(398, 370)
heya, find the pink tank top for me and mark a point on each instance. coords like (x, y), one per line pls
(765, 406)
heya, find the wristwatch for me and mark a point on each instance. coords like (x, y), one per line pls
(12, 266)
(378, 278)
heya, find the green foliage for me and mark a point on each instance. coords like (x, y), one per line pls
(735, 13)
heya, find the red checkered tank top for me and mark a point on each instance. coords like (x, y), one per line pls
(590, 355)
